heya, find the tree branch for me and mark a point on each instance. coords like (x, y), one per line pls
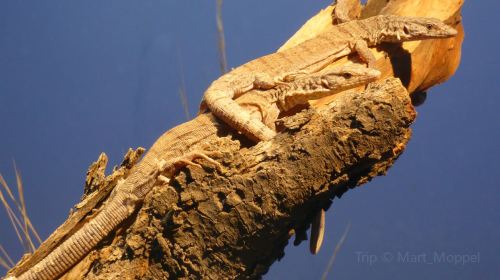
(207, 225)
(235, 224)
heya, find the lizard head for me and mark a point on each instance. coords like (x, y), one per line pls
(398, 29)
(350, 76)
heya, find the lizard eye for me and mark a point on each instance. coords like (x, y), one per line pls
(429, 26)
(406, 30)
(347, 75)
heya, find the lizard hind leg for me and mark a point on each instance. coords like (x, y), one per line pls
(219, 98)
(261, 110)
(173, 165)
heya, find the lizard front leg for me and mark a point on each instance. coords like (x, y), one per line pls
(361, 48)
(345, 11)
(166, 169)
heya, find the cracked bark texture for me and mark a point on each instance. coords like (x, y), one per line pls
(235, 224)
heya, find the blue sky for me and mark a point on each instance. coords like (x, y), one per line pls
(81, 78)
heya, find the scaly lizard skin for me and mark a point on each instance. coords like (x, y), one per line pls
(178, 147)
(309, 57)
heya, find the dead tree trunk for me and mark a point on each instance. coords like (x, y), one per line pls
(234, 224)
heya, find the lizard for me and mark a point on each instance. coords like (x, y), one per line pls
(309, 57)
(166, 146)
(177, 148)
(174, 145)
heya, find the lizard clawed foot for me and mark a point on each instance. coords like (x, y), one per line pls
(317, 232)
(173, 165)
(361, 47)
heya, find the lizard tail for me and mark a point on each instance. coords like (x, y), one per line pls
(78, 245)
(223, 106)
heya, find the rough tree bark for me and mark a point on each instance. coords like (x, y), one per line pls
(236, 223)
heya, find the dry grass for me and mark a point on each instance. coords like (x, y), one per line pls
(5, 260)
(182, 91)
(18, 216)
(335, 252)
(221, 47)
(221, 40)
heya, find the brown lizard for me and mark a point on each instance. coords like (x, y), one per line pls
(309, 57)
(177, 148)
(175, 145)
